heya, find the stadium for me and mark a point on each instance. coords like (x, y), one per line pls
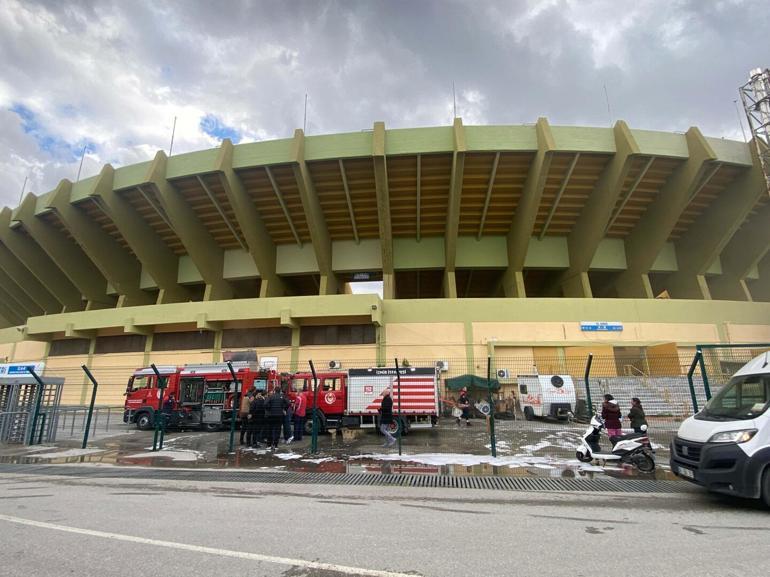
(534, 242)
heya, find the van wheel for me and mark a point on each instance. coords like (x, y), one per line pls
(210, 427)
(144, 421)
(766, 487)
(529, 413)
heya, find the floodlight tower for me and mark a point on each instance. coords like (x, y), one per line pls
(755, 95)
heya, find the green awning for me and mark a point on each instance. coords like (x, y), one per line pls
(471, 382)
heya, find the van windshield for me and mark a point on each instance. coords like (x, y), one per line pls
(742, 398)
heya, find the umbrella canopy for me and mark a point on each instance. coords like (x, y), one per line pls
(471, 382)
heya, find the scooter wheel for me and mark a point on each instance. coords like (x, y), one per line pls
(583, 458)
(643, 463)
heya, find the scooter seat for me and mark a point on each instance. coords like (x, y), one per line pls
(628, 437)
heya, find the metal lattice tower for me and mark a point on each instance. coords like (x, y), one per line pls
(755, 95)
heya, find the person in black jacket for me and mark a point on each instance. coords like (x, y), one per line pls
(636, 415)
(386, 418)
(257, 420)
(275, 408)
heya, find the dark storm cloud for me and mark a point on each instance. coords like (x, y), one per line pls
(117, 73)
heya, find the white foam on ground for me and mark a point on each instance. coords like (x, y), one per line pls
(68, 453)
(288, 456)
(318, 461)
(187, 455)
(467, 460)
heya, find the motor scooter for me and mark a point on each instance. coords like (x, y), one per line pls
(634, 448)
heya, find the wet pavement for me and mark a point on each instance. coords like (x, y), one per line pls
(524, 449)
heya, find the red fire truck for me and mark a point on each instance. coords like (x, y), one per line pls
(352, 398)
(202, 394)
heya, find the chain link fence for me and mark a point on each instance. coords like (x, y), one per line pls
(523, 415)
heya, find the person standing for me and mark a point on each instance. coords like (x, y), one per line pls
(636, 415)
(464, 404)
(300, 410)
(288, 416)
(611, 415)
(386, 418)
(276, 408)
(257, 425)
(243, 415)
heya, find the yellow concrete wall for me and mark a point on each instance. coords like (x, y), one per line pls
(6, 352)
(112, 372)
(570, 333)
(351, 356)
(75, 391)
(426, 341)
(181, 357)
(748, 333)
(29, 351)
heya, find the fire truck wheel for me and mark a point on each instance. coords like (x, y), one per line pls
(144, 421)
(309, 424)
(395, 426)
(211, 427)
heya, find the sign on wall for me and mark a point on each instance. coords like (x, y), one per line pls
(17, 369)
(600, 326)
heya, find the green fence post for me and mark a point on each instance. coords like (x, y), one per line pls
(588, 388)
(706, 387)
(235, 406)
(492, 439)
(91, 406)
(38, 402)
(399, 422)
(694, 363)
(314, 434)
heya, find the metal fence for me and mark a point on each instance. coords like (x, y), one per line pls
(28, 410)
(515, 417)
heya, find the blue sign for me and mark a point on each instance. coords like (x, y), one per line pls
(20, 369)
(600, 326)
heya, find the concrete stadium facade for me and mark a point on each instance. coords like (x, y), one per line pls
(484, 237)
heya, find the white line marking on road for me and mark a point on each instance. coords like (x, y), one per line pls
(208, 550)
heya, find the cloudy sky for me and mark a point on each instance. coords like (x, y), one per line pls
(110, 76)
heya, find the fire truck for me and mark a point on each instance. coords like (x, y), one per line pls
(352, 398)
(202, 394)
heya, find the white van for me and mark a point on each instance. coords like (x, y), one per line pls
(726, 446)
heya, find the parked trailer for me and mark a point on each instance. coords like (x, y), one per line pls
(352, 398)
(546, 396)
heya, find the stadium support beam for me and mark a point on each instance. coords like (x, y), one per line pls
(28, 282)
(121, 269)
(590, 228)
(760, 288)
(744, 251)
(319, 233)
(260, 245)
(35, 259)
(25, 303)
(453, 211)
(154, 255)
(65, 252)
(208, 257)
(383, 209)
(488, 196)
(654, 228)
(707, 237)
(9, 310)
(526, 212)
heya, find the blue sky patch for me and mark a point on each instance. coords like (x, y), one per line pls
(213, 126)
(54, 146)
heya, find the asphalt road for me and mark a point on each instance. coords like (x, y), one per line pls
(54, 526)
